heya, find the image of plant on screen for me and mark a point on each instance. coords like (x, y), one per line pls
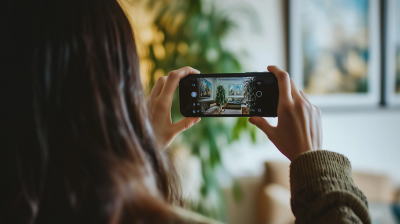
(220, 96)
(249, 92)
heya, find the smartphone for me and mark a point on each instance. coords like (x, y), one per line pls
(229, 95)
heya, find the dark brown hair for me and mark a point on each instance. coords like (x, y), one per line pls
(76, 145)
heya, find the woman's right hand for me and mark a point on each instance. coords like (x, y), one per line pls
(159, 106)
(299, 126)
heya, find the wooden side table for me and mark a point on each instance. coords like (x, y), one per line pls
(244, 109)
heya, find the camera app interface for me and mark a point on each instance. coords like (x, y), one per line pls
(232, 96)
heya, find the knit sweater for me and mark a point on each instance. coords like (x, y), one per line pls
(322, 190)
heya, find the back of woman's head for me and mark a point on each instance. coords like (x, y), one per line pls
(75, 140)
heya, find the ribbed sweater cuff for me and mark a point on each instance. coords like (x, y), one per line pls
(311, 166)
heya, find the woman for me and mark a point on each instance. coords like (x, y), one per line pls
(79, 143)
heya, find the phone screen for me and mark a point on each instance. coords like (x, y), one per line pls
(229, 95)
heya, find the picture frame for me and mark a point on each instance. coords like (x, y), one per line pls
(392, 52)
(231, 90)
(205, 89)
(306, 33)
(239, 90)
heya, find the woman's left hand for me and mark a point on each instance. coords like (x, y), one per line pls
(159, 105)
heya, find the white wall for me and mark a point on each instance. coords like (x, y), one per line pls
(370, 138)
(258, 43)
(227, 82)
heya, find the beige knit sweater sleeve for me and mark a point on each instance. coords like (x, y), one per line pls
(323, 190)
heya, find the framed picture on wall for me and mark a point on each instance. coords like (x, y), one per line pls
(205, 88)
(239, 91)
(334, 51)
(392, 51)
(231, 90)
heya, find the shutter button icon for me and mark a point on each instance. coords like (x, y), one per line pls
(194, 94)
(258, 93)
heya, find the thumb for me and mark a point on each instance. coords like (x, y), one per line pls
(262, 124)
(185, 124)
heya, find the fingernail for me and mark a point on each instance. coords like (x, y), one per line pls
(197, 71)
(197, 121)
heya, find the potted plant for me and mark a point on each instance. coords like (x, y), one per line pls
(220, 96)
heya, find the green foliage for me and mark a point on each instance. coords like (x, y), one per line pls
(220, 96)
(249, 92)
(192, 35)
(237, 191)
(243, 125)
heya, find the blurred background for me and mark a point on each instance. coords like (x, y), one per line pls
(230, 170)
(335, 45)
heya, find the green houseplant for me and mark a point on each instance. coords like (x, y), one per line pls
(220, 96)
(249, 92)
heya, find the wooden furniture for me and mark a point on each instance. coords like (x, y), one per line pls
(233, 106)
(244, 109)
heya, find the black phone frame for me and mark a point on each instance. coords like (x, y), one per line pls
(218, 75)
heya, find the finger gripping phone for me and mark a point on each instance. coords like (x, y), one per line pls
(229, 95)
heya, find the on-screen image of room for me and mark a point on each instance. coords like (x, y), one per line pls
(224, 95)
